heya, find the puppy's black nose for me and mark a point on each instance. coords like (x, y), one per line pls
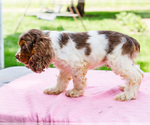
(17, 56)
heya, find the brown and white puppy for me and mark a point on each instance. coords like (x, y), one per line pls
(75, 53)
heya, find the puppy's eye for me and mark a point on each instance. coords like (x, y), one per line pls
(24, 49)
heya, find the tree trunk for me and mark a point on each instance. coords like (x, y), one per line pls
(80, 7)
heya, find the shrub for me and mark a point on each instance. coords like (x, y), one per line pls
(133, 21)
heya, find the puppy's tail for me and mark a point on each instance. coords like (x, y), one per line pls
(131, 47)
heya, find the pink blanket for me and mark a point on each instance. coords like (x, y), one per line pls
(23, 100)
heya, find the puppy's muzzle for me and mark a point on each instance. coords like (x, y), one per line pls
(17, 56)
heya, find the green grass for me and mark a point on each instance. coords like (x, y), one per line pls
(92, 20)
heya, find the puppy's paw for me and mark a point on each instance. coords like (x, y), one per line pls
(52, 91)
(124, 96)
(74, 93)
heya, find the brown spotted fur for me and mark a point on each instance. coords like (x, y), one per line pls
(129, 47)
(81, 41)
(64, 39)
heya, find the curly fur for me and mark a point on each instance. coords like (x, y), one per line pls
(36, 46)
(75, 53)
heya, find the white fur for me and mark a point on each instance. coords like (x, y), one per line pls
(99, 45)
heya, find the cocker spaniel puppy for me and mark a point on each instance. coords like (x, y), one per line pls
(75, 53)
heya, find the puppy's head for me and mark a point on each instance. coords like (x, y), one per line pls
(35, 50)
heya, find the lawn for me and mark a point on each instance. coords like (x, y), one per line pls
(93, 20)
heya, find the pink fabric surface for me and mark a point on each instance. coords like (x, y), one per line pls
(23, 100)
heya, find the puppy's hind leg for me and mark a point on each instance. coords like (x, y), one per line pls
(133, 83)
(125, 67)
(62, 83)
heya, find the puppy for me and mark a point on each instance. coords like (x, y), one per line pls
(75, 53)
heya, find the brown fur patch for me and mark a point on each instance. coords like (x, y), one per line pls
(64, 39)
(25, 51)
(114, 39)
(22, 42)
(81, 41)
(130, 47)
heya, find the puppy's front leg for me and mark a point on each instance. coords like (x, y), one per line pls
(62, 83)
(79, 82)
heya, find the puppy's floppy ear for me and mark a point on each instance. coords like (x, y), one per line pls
(41, 54)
